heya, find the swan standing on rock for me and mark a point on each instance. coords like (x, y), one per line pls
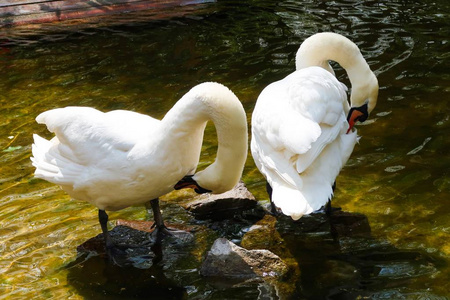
(121, 158)
(301, 137)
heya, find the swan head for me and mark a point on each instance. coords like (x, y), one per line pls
(189, 182)
(363, 98)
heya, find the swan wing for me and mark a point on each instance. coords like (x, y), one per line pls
(279, 133)
(300, 115)
(86, 141)
(87, 135)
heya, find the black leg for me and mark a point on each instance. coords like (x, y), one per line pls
(103, 219)
(328, 211)
(157, 216)
(160, 227)
(115, 255)
(273, 208)
(328, 208)
(269, 191)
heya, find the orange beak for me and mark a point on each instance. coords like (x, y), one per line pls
(352, 118)
(357, 114)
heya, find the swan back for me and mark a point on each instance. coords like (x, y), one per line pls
(318, 49)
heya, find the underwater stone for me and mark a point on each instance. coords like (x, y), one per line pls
(346, 224)
(226, 259)
(221, 206)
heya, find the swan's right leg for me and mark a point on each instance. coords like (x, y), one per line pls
(273, 208)
(160, 227)
(161, 230)
(328, 208)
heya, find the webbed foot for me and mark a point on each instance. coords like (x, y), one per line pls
(162, 231)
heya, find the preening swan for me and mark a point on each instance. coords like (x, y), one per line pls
(121, 158)
(301, 137)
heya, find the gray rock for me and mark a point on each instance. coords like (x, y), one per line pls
(225, 259)
(220, 206)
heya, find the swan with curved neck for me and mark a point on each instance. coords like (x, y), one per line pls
(122, 158)
(320, 48)
(302, 125)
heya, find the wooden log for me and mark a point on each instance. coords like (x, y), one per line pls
(21, 2)
(21, 12)
(45, 6)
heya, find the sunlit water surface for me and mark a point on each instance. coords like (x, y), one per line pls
(398, 175)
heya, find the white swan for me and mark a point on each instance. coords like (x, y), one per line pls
(121, 158)
(301, 137)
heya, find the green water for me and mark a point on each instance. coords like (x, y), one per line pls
(398, 175)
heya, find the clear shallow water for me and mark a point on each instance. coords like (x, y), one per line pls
(398, 176)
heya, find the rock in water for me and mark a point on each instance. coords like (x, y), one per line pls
(221, 206)
(138, 248)
(225, 259)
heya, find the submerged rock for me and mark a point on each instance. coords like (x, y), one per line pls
(226, 259)
(222, 206)
(138, 248)
(346, 224)
(264, 235)
(122, 237)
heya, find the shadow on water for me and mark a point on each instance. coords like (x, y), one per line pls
(337, 257)
(340, 259)
(96, 278)
(139, 272)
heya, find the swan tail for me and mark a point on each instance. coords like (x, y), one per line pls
(291, 201)
(51, 164)
(296, 203)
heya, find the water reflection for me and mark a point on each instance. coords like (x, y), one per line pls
(397, 177)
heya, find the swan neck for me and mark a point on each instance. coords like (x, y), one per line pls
(319, 49)
(214, 102)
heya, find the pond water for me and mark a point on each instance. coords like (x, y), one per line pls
(398, 176)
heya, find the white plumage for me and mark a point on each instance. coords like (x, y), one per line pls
(122, 158)
(299, 124)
